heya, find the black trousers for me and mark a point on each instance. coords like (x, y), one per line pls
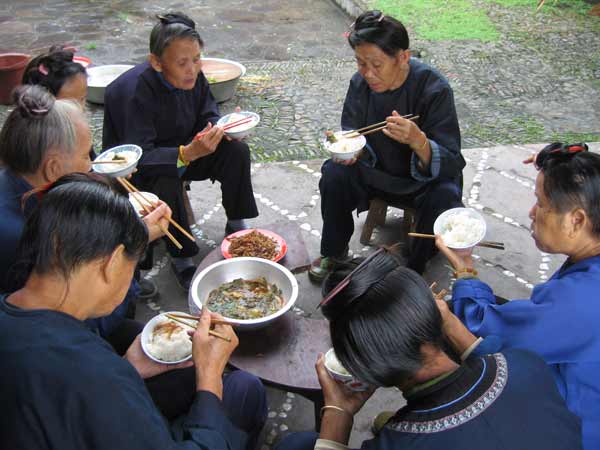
(343, 191)
(229, 165)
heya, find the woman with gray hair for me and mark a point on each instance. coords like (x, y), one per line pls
(43, 139)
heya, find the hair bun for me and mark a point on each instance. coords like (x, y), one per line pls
(173, 18)
(33, 101)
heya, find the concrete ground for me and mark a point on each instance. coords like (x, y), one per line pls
(298, 69)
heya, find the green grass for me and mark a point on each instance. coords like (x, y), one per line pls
(455, 20)
(91, 46)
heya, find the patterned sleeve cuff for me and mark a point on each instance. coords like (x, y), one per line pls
(434, 165)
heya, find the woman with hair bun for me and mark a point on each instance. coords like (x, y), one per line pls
(561, 320)
(416, 162)
(57, 72)
(388, 330)
(62, 386)
(42, 139)
(161, 105)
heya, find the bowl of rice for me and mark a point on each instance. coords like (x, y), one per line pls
(460, 228)
(147, 198)
(242, 130)
(338, 372)
(129, 153)
(215, 286)
(344, 148)
(166, 341)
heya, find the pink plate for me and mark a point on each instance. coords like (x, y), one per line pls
(83, 60)
(280, 242)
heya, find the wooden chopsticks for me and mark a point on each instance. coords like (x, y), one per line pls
(226, 127)
(190, 317)
(487, 244)
(440, 295)
(145, 202)
(211, 332)
(116, 161)
(373, 128)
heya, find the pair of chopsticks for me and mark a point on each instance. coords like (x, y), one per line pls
(373, 128)
(487, 244)
(144, 201)
(226, 127)
(116, 161)
(440, 295)
(178, 317)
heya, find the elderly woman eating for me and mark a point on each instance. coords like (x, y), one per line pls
(161, 105)
(560, 320)
(387, 331)
(416, 163)
(62, 386)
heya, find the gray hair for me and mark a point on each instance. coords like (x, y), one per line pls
(170, 27)
(38, 123)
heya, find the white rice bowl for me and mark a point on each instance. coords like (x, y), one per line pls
(334, 364)
(344, 148)
(136, 201)
(163, 346)
(460, 228)
(130, 152)
(242, 130)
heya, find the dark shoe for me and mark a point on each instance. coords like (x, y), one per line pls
(380, 420)
(321, 267)
(184, 278)
(230, 229)
(148, 289)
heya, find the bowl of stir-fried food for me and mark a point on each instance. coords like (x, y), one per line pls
(255, 242)
(250, 292)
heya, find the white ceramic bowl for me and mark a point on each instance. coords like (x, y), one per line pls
(137, 200)
(248, 268)
(243, 130)
(351, 383)
(101, 76)
(123, 169)
(224, 87)
(440, 226)
(353, 146)
(147, 333)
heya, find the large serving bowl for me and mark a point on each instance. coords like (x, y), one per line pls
(223, 76)
(101, 76)
(248, 268)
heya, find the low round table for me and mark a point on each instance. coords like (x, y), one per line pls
(283, 354)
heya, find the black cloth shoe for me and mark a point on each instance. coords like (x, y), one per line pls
(148, 289)
(184, 278)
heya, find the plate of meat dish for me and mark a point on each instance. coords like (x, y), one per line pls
(256, 243)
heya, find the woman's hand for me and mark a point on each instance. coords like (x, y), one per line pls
(460, 259)
(204, 146)
(144, 365)
(531, 159)
(404, 131)
(157, 220)
(210, 354)
(336, 394)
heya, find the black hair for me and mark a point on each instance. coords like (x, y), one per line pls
(52, 69)
(80, 218)
(170, 27)
(381, 319)
(37, 124)
(373, 27)
(572, 180)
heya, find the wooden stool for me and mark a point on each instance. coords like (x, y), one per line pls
(376, 216)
